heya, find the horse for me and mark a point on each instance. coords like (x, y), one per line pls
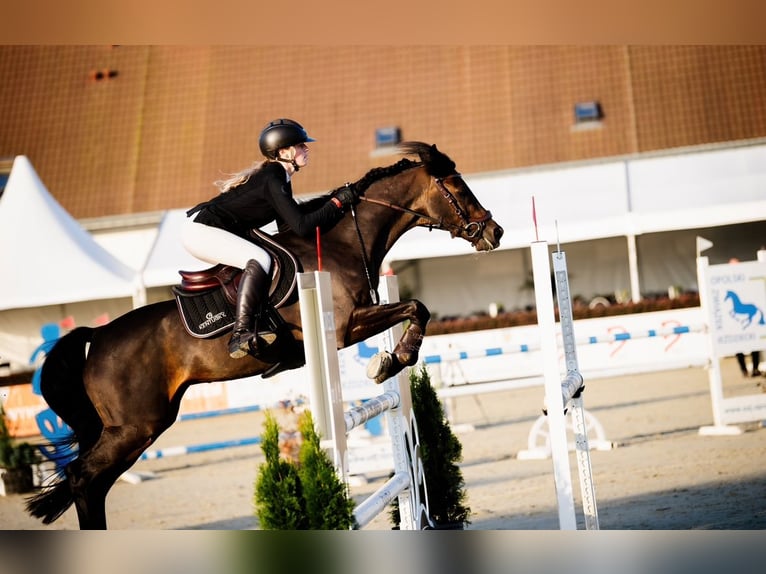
(119, 386)
(747, 311)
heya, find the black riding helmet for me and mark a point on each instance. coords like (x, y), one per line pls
(279, 134)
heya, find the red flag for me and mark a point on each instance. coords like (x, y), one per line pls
(67, 323)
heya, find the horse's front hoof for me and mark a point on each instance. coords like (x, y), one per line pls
(379, 367)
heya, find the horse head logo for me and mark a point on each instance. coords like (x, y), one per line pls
(743, 313)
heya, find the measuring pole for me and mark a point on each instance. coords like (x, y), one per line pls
(570, 386)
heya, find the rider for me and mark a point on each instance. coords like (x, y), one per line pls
(217, 230)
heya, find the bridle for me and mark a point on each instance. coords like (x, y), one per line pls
(472, 228)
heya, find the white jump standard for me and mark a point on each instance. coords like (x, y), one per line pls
(562, 395)
(326, 403)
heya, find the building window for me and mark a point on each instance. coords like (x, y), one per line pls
(587, 115)
(386, 140)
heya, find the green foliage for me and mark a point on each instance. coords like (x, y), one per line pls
(304, 496)
(278, 497)
(440, 452)
(327, 503)
(13, 454)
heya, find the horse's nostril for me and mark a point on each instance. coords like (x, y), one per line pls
(498, 232)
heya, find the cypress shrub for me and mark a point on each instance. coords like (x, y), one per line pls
(307, 495)
(278, 495)
(440, 452)
(328, 506)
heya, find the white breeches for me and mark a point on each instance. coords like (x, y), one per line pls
(219, 246)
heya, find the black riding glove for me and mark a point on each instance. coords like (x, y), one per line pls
(346, 196)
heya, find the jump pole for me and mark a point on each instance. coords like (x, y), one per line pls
(572, 386)
(332, 423)
(553, 400)
(560, 393)
(322, 366)
(408, 485)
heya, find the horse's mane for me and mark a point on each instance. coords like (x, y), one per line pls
(437, 164)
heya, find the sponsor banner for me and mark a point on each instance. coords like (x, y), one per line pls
(646, 341)
(736, 301)
(21, 406)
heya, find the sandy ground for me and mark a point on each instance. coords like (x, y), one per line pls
(660, 475)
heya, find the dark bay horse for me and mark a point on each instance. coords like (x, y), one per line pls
(119, 386)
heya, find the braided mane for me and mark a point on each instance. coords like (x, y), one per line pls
(377, 173)
(436, 163)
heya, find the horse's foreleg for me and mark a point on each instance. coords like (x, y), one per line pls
(367, 321)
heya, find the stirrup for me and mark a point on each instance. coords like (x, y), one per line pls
(260, 342)
(264, 338)
(271, 323)
(248, 344)
(239, 344)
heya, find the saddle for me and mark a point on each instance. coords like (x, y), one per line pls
(207, 299)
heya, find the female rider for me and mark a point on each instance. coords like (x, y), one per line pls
(217, 230)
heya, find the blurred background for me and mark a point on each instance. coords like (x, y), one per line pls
(631, 153)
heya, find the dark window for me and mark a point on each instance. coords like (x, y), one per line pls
(588, 112)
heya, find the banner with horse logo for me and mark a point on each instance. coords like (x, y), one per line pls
(736, 294)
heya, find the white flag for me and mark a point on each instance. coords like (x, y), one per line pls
(703, 244)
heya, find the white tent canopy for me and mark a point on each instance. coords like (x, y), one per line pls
(46, 257)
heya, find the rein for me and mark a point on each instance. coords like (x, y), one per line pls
(373, 292)
(472, 228)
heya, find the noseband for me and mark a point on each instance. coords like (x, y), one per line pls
(471, 228)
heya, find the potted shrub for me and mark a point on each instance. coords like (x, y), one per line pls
(440, 452)
(300, 495)
(17, 461)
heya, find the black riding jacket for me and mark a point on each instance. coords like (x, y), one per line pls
(265, 197)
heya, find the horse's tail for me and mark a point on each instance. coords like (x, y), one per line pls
(53, 499)
(61, 384)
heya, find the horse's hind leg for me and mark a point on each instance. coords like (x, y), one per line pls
(96, 470)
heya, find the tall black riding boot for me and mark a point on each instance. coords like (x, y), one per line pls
(252, 294)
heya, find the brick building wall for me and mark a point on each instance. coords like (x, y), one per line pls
(172, 119)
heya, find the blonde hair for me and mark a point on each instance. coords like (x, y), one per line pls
(237, 179)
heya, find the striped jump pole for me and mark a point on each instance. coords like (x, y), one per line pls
(136, 477)
(534, 346)
(203, 447)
